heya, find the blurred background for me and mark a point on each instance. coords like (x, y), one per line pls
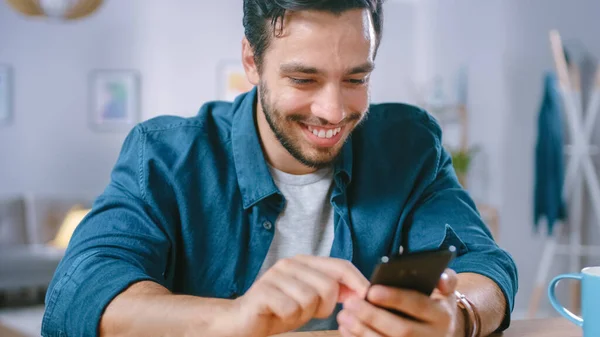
(72, 87)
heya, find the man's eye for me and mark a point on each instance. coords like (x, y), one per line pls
(357, 81)
(301, 80)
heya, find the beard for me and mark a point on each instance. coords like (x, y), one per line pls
(283, 128)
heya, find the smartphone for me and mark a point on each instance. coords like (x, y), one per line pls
(419, 271)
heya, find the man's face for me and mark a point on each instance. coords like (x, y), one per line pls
(314, 84)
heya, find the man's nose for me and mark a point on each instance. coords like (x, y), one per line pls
(329, 105)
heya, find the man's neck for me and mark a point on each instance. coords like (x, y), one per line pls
(275, 154)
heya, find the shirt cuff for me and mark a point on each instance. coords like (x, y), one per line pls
(75, 309)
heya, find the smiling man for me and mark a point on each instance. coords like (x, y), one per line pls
(269, 214)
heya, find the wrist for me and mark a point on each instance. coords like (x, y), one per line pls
(460, 321)
(471, 322)
(214, 317)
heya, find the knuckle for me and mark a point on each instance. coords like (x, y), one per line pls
(291, 311)
(309, 297)
(284, 263)
(347, 265)
(330, 289)
(325, 310)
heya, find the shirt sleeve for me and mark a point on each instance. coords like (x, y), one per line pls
(446, 208)
(120, 242)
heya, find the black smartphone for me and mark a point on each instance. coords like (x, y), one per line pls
(419, 271)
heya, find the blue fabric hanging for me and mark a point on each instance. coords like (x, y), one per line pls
(549, 160)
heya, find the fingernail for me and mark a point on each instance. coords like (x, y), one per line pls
(377, 293)
(445, 277)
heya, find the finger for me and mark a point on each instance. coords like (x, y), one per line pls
(277, 303)
(448, 282)
(382, 321)
(304, 294)
(354, 326)
(342, 271)
(345, 333)
(326, 287)
(410, 302)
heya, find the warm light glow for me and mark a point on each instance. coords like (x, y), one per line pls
(71, 221)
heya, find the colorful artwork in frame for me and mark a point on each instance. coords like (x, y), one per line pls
(5, 94)
(232, 80)
(115, 99)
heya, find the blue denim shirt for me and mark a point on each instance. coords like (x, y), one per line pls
(191, 205)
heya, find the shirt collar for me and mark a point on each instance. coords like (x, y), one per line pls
(254, 177)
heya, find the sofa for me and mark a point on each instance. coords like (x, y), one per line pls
(28, 224)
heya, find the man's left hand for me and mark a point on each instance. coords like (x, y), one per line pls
(437, 314)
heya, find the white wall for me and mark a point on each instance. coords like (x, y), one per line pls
(528, 59)
(505, 44)
(50, 148)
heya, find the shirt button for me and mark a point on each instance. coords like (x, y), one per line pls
(267, 225)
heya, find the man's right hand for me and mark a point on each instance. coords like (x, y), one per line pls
(294, 291)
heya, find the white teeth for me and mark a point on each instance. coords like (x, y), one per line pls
(324, 133)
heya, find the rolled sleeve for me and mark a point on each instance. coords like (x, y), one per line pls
(498, 266)
(120, 242)
(446, 209)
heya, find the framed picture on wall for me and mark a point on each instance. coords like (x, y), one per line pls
(6, 94)
(114, 99)
(232, 80)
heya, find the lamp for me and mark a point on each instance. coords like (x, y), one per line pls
(57, 9)
(71, 221)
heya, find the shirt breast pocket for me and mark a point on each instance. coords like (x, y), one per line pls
(452, 239)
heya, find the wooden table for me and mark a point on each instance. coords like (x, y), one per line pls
(555, 327)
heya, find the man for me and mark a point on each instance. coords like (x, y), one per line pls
(266, 215)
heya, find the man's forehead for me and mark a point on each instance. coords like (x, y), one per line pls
(313, 21)
(309, 37)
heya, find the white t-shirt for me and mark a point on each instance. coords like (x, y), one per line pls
(306, 224)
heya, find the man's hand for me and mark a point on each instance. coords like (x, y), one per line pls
(294, 291)
(437, 314)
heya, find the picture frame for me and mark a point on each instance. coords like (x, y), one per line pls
(6, 94)
(114, 99)
(231, 80)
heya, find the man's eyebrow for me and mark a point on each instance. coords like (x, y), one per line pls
(363, 68)
(299, 68)
(295, 67)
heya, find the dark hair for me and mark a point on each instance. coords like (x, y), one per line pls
(259, 15)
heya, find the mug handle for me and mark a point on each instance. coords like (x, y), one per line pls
(562, 310)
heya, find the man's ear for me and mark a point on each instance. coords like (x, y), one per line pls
(249, 64)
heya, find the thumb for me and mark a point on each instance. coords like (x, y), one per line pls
(448, 282)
